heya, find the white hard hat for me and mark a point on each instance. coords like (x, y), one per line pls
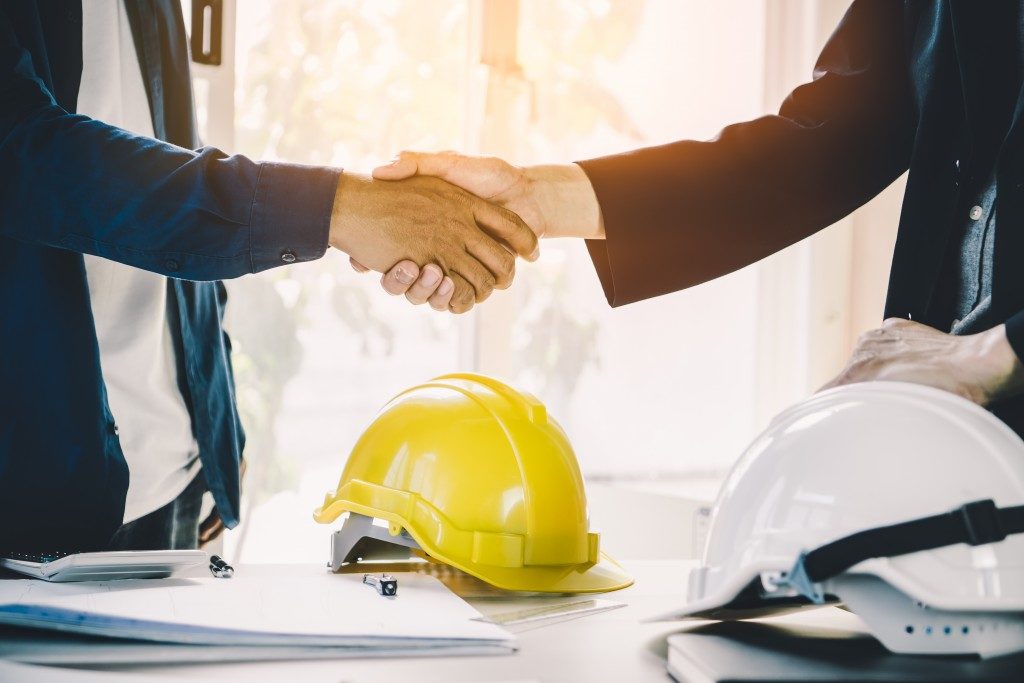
(903, 502)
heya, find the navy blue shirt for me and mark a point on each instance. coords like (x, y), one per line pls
(70, 185)
(970, 273)
(963, 297)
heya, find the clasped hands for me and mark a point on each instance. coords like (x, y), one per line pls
(398, 227)
(445, 228)
(468, 215)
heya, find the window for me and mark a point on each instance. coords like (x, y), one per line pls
(666, 391)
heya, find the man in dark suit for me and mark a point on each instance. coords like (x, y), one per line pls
(930, 86)
(115, 231)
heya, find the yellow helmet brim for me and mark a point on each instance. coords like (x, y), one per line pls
(602, 576)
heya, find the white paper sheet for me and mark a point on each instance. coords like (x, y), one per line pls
(549, 612)
(316, 609)
(11, 672)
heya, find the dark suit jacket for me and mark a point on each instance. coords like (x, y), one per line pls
(899, 85)
(71, 185)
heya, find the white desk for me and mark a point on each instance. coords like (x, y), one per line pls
(610, 646)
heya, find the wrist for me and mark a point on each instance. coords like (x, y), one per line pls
(1001, 372)
(346, 201)
(566, 200)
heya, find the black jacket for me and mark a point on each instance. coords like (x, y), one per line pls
(899, 85)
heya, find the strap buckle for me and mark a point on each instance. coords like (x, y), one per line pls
(798, 579)
(981, 522)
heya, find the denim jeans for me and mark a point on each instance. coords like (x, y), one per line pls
(175, 526)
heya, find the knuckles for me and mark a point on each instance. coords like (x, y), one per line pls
(486, 285)
(508, 270)
(462, 300)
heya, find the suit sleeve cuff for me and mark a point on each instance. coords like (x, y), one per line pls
(1015, 334)
(598, 251)
(291, 214)
(619, 262)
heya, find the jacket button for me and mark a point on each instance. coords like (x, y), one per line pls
(172, 265)
(288, 256)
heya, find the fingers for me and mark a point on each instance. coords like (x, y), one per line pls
(463, 295)
(496, 258)
(357, 266)
(401, 276)
(210, 528)
(425, 285)
(836, 381)
(441, 299)
(415, 163)
(487, 177)
(505, 226)
(480, 279)
(401, 168)
(431, 286)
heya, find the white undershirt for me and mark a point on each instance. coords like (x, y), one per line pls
(129, 305)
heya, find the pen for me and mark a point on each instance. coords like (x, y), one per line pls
(220, 568)
(386, 585)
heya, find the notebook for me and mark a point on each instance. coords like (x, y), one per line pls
(311, 608)
(740, 652)
(103, 566)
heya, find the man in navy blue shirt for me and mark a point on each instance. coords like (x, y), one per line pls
(87, 208)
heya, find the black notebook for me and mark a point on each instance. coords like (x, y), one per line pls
(741, 652)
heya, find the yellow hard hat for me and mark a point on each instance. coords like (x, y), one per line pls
(476, 475)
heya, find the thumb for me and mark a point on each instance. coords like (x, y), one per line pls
(406, 164)
(401, 167)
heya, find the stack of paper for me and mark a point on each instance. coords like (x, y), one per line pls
(317, 609)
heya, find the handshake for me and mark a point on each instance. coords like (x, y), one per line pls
(445, 229)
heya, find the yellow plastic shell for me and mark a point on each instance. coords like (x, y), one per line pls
(484, 480)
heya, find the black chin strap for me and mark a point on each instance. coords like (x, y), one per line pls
(975, 523)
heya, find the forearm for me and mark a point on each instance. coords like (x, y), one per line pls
(566, 200)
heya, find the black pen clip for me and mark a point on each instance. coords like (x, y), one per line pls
(220, 568)
(386, 585)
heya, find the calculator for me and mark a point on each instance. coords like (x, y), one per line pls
(61, 566)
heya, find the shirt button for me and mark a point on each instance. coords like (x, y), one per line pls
(288, 256)
(172, 265)
(976, 212)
